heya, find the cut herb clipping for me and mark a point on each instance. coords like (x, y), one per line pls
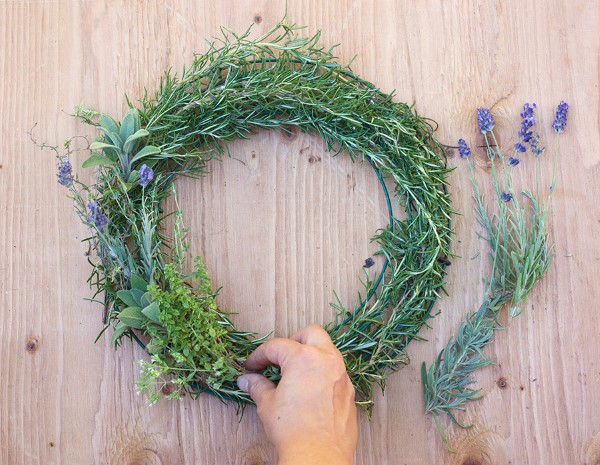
(516, 233)
(240, 85)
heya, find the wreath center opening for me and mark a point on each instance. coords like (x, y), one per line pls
(282, 225)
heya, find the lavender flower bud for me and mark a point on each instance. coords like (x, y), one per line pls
(485, 120)
(519, 147)
(560, 122)
(96, 217)
(527, 122)
(512, 161)
(527, 113)
(525, 135)
(146, 175)
(463, 149)
(535, 146)
(65, 172)
(506, 196)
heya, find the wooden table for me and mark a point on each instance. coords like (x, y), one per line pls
(282, 224)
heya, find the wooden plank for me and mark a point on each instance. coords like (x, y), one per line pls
(282, 224)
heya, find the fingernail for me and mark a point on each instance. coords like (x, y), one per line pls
(242, 383)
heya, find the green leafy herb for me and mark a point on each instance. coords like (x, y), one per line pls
(520, 254)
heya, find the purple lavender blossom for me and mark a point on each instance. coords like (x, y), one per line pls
(527, 113)
(527, 122)
(535, 146)
(65, 172)
(519, 147)
(96, 216)
(560, 122)
(506, 196)
(463, 149)
(146, 175)
(512, 161)
(485, 120)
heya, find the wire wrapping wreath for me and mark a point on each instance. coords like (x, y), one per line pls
(275, 81)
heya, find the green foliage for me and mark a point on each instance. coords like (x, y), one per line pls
(520, 255)
(138, 308)
(447, 383)
(132, 317)
(119, 145)
(189, 345)
(240, 85)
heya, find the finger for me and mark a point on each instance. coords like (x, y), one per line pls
(257, 386)
(313, 335)
(273, 352)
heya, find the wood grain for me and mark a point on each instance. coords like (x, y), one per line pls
(282, 224)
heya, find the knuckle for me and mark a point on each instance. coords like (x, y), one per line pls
(336, 358)
(313, 327)
(306, 354)
(329, 360)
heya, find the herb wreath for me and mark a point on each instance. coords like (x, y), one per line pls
(277, 80)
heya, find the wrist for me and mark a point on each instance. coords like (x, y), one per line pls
(313, 452)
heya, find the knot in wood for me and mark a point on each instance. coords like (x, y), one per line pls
(167, 389)
(471, 462)
(31, 345)
(502, 382)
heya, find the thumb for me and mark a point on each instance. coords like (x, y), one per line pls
(257, 386)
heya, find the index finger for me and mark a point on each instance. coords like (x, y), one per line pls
(273, 352)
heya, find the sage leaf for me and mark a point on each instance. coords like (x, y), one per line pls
(137, 296)
(109, 124)
(137, 282)
(130, 124)
(96, 160)
(132, 317)
(96, 145)
(152, 311)
(112, 136)
(127, 298)
(147, 151)
(146, 299)
(119, 331)
(132, 140)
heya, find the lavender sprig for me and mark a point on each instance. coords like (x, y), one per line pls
(527, 122)
(535, 146)
(520, 255)
(96, 217)
(463, 149)
(65, 172)
(560, 121)
(146, 175)
(485, 120)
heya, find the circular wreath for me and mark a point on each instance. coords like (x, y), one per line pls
(277, 80)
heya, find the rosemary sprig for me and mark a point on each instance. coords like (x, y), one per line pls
(520, 254)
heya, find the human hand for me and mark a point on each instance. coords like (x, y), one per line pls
(310, 416)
